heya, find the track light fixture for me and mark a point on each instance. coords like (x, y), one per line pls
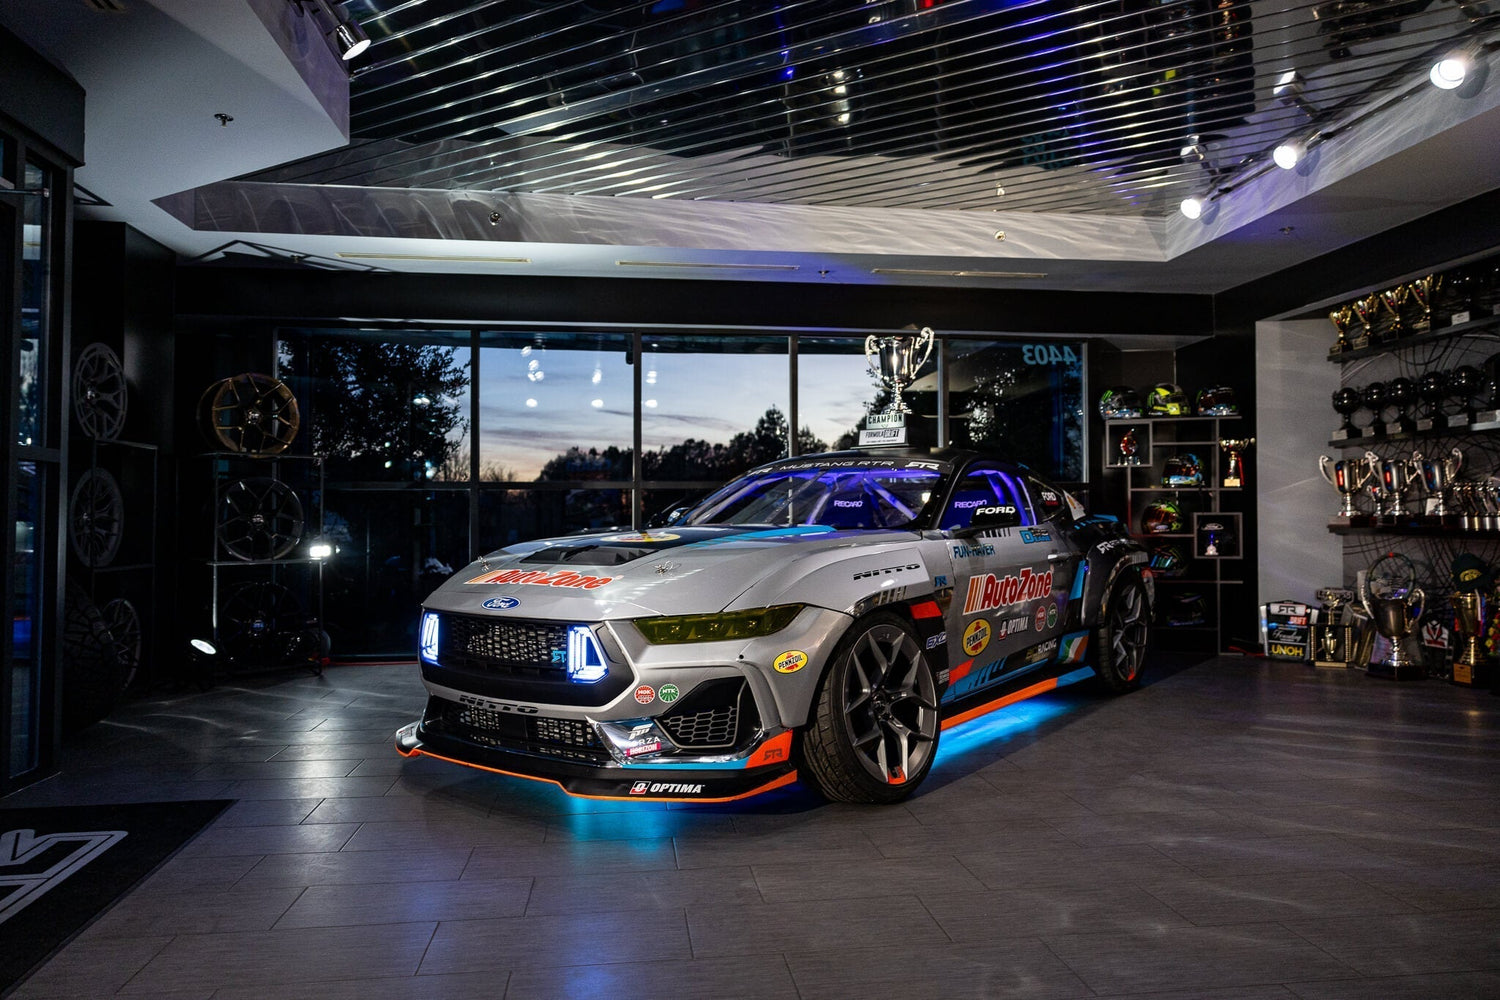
(1192, 206)
(1289, 153)
(1462, 70)
(1290, 90)
(347, 38)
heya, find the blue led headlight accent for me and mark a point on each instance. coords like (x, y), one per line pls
(427, 644)
(585, 659)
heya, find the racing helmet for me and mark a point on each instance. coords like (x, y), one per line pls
(1167, 560)
(1182, 470)
(1167, 400)
(1120, 402)
(1162, 517)
(1217, 401)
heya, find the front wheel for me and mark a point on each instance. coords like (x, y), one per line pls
(875, 732)
(1123, 634)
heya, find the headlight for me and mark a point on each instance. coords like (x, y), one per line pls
(670, 629)
(427, 645)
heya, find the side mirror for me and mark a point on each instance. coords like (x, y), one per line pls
(986, 518)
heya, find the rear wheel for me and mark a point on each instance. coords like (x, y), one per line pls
(1123, 634)
(875, 732)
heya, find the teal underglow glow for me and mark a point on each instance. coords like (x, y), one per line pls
(1000, 726)
(585, 659)
(427, 647)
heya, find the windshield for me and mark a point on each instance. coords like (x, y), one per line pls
(843, 495)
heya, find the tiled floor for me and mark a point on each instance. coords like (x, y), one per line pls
(1238, 830)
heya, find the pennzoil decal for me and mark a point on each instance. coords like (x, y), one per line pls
(789, 662)
(976, 637)
(987, 591)
(540, 578)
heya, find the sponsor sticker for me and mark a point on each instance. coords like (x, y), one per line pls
(789, 662)
(644, 536)
(665, 788)
(972, 551)
(939, 582)
(668, 693)
(645, 694)
(1074, 648)
(884, 572)
(1030, 535)
(541, 578)
(1052, 616)
(1282, 649)
(976, 637)
(500, 603)
(933, 642)
(1010, 626)
(988, 591)
(1041, 618)
(1040, 652)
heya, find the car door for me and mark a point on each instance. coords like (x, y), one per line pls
(1011, 576)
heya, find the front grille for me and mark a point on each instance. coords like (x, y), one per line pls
(712, 727)
(504, 647)
(718, 715)
(567, 739)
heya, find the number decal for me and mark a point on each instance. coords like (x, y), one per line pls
(1048, 354)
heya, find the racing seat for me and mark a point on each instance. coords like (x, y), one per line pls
(961, 508)
(850, 509)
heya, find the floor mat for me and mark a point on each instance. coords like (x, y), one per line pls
(62, 866)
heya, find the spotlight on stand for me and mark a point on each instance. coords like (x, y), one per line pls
(202, 663)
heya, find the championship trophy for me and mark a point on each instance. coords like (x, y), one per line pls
(1400, 393)
(1393, 478)
(1373, 399)
(1424, 294)
(1234, 462)
(1342, 319)
(1472, 581)
(1394, 302)
(1333, 637)
(1488, 417)
(1461, 297)
(1464, 383)
(1346, 403)
(894, 361)
(1432, 388)
(1368, 311)
(1394, 602)
(1130, 448)
(1438, 475)
(1348, 476)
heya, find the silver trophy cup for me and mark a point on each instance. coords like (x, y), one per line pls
(1348, 476)
(1438, 475)
(1395, 616)
(896, 360)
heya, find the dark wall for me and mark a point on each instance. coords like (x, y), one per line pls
(41, 98)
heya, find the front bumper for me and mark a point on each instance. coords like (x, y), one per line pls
(766, 765)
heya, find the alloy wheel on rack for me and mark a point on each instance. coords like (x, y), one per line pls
(259, 518)
(264, 625)
(124, 625)
(99, 392)
(96, 518)
(250, 413)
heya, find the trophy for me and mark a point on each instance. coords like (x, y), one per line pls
(1437, 477)
(1470, 611)
(1394, 602)
(1367, 310)
(1394, 302)
(1400, 393)
(1342, 319)
(1432, 388)
(1346, 403)
(1333, 637)
(1130, 448)
(1461, 297)
(1234, 463)
(894, 361)
(1373, 399)
(1463, 384)
(1348, 476)
(1393, 478)
(1424, 294)
(1488, 417)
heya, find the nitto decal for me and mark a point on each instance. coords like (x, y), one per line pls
(988, 591)
(668, 693)
(976, 637)
(789, 662)
(497, 706)
(500, 603)
(664, 788)
(1030, 535)
(883, 572)
(970, 551)
(935, 641)
(645, 694)
(539, 578)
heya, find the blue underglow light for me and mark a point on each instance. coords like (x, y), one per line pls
(1000, 726)
(585, 659)
(427, 646)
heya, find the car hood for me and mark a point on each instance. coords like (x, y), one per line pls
(627, 574)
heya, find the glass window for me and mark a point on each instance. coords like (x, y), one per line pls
(510, 516)
(33, 345)
(1022, 401)
(26, 622)
(835, 388)
(997, 492)
(841, 495)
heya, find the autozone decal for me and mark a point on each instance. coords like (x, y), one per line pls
(664, 788)
(539, 578)
(989, 591)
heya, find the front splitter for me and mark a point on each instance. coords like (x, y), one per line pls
(635, 784)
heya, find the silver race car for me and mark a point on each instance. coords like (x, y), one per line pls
(824, 617)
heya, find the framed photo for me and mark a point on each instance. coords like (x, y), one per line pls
(1216, 535)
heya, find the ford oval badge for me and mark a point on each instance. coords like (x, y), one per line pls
(500, 603)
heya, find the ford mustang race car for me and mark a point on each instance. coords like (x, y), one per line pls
(823, 617)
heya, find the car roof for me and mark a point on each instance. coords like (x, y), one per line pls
(949, 458)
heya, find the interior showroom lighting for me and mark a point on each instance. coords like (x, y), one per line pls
(1289, 153)
(1192, 206)
(1449, 72)
(346, 36)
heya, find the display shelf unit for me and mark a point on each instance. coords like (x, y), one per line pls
(1428, 338)
(1207, 575)
(265, 611)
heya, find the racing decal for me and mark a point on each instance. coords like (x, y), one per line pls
(1010, 626)
(789, 662)
(645, 537)
(940, 581)
(976, 637)
(776, 750)
(1074, 647)
(665, 788)
(926, 609)
(1039, 652)
(998, 510)
(962, 551)
(1031, 535)
(890, 595)
(1052, 616)
(645, 694)
(883, 572)
(539, 578)
(961, 671)
(933, 642)
(668, 693)
(988, 591)
(500, 603)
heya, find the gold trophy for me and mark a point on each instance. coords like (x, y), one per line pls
(1368, 311)
(1342, 319)
(1423, 293)
(1468, 619)
(1234, 464)
(1333, 638)
(1394, 301)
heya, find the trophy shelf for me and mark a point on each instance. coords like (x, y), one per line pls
(1413, 530)
(1418, 339)
(1481, 427)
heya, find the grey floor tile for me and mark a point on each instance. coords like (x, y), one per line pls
(395, 808)
(165, 913)
(338, 751)
(469, 986)
(355, 867)
(1012, 835)
(92, 967)
(445, 831)
(1436, 888)
(1222, 857)
(593, 892)
(1037, 912)
(574, 939)
(295, 839)
(1063, 864)
(635, 826)
(1156, 828)
(935, 875)
(407, 902)
(822, 925)
(277, 770)
(538, 859)
(1248, 899)
(711, 850)
(1436, 986)
(736, 978)
(266, 812)
(1020, 968)
(1408, 944)
(202, 874)
(305, 788)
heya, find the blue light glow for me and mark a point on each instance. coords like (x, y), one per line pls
(585, 659)
(427, 646)
(999, 726)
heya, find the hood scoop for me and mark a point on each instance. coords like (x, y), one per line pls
(588, 555)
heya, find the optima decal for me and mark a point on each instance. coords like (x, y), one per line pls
(665, 788)
(540, 578)
(989, 591)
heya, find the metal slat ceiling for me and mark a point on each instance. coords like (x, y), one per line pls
(1020, 105)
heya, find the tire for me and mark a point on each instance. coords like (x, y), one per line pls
(875, 732)
(1123, 634)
